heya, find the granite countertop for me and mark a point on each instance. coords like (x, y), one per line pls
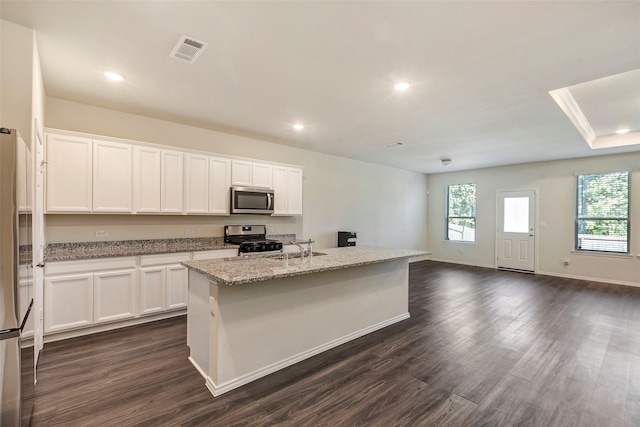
(121, 248)
(239, 270)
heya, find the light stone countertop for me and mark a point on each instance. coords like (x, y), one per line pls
(238, 270)
(122, 248)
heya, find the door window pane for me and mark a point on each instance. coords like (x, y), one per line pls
(516, 215)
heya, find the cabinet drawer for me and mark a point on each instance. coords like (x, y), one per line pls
(88, 266)
(163, 259)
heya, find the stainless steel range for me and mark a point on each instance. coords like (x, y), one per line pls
(251, 239)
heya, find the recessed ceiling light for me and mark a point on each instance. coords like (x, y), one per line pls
(622, 131)
(445, 161)
(113, 76)
(400, 86)
(298, 126)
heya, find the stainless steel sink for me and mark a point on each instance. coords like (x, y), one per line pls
(293, 255)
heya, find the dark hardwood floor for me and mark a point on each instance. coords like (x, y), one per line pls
(482, 348)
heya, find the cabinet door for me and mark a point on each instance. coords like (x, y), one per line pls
(280, 192)
(262, 175)
(295, 191)
(176, 276)
(151, 290)
(24, 178)
(241, 173)
(219, 185)
(69, 174)
(68, 302)
(112, 177)
(171, 199)
(146, 179)
(197, 184)
(25, 290)
(114, 295)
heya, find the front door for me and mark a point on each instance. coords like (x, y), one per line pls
(516, 230)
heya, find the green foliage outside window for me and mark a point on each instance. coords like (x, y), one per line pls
(602, 214)
(461, 212)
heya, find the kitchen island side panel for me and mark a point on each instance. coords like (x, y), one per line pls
(199, 322)
(266, 326)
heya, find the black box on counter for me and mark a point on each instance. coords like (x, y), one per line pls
(346, 238)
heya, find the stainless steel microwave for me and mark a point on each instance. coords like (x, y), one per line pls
(251, 200)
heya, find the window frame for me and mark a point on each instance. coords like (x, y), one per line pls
(448, 217)
(578, 218)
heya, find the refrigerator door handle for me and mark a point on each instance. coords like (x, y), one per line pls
(6, 334)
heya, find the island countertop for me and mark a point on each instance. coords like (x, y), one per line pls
(238, 270)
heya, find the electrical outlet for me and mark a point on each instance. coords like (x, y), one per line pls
(189, 232)
(102, 233)
(566, 261)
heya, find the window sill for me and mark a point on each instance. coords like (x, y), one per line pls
(602, 254)
(459, 242)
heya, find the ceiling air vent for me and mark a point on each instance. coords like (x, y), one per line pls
(188, 49)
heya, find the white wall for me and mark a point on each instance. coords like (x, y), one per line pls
(386, 206)
(555, 183)
(38, 96)
(16, 75)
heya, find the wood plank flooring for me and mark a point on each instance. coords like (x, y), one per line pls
(482, 348)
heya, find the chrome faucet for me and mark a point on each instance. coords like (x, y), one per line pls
(310, 248)
(299, 247)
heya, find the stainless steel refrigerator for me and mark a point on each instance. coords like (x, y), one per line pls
(16, 349)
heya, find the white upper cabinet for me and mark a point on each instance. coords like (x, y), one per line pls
(295, 191)
(242, 173)
(171, 196)
(102, 175)
(197, 183)
(69, 174)
(262, 175)
(287, 187)
(251, 174)
(146, 179)
(112, 177)
(280, 190)
(219, 185)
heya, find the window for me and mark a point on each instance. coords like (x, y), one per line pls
(602, 212)
(461, 213)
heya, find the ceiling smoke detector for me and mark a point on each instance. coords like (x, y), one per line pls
(188, 49)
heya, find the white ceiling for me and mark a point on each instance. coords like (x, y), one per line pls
(481, 71)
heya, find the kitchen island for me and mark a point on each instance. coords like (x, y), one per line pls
(247, 318)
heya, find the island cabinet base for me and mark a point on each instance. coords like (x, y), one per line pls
(238, 334)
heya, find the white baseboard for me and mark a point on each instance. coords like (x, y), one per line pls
(217, 390)
(549, 273)
(94, 329)
(472, 264)
(590, 279)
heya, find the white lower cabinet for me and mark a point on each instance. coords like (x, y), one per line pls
(114, 295)
(83, 293)
(25, 289)
(68, 302)
(162, 283)
(89, 293)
